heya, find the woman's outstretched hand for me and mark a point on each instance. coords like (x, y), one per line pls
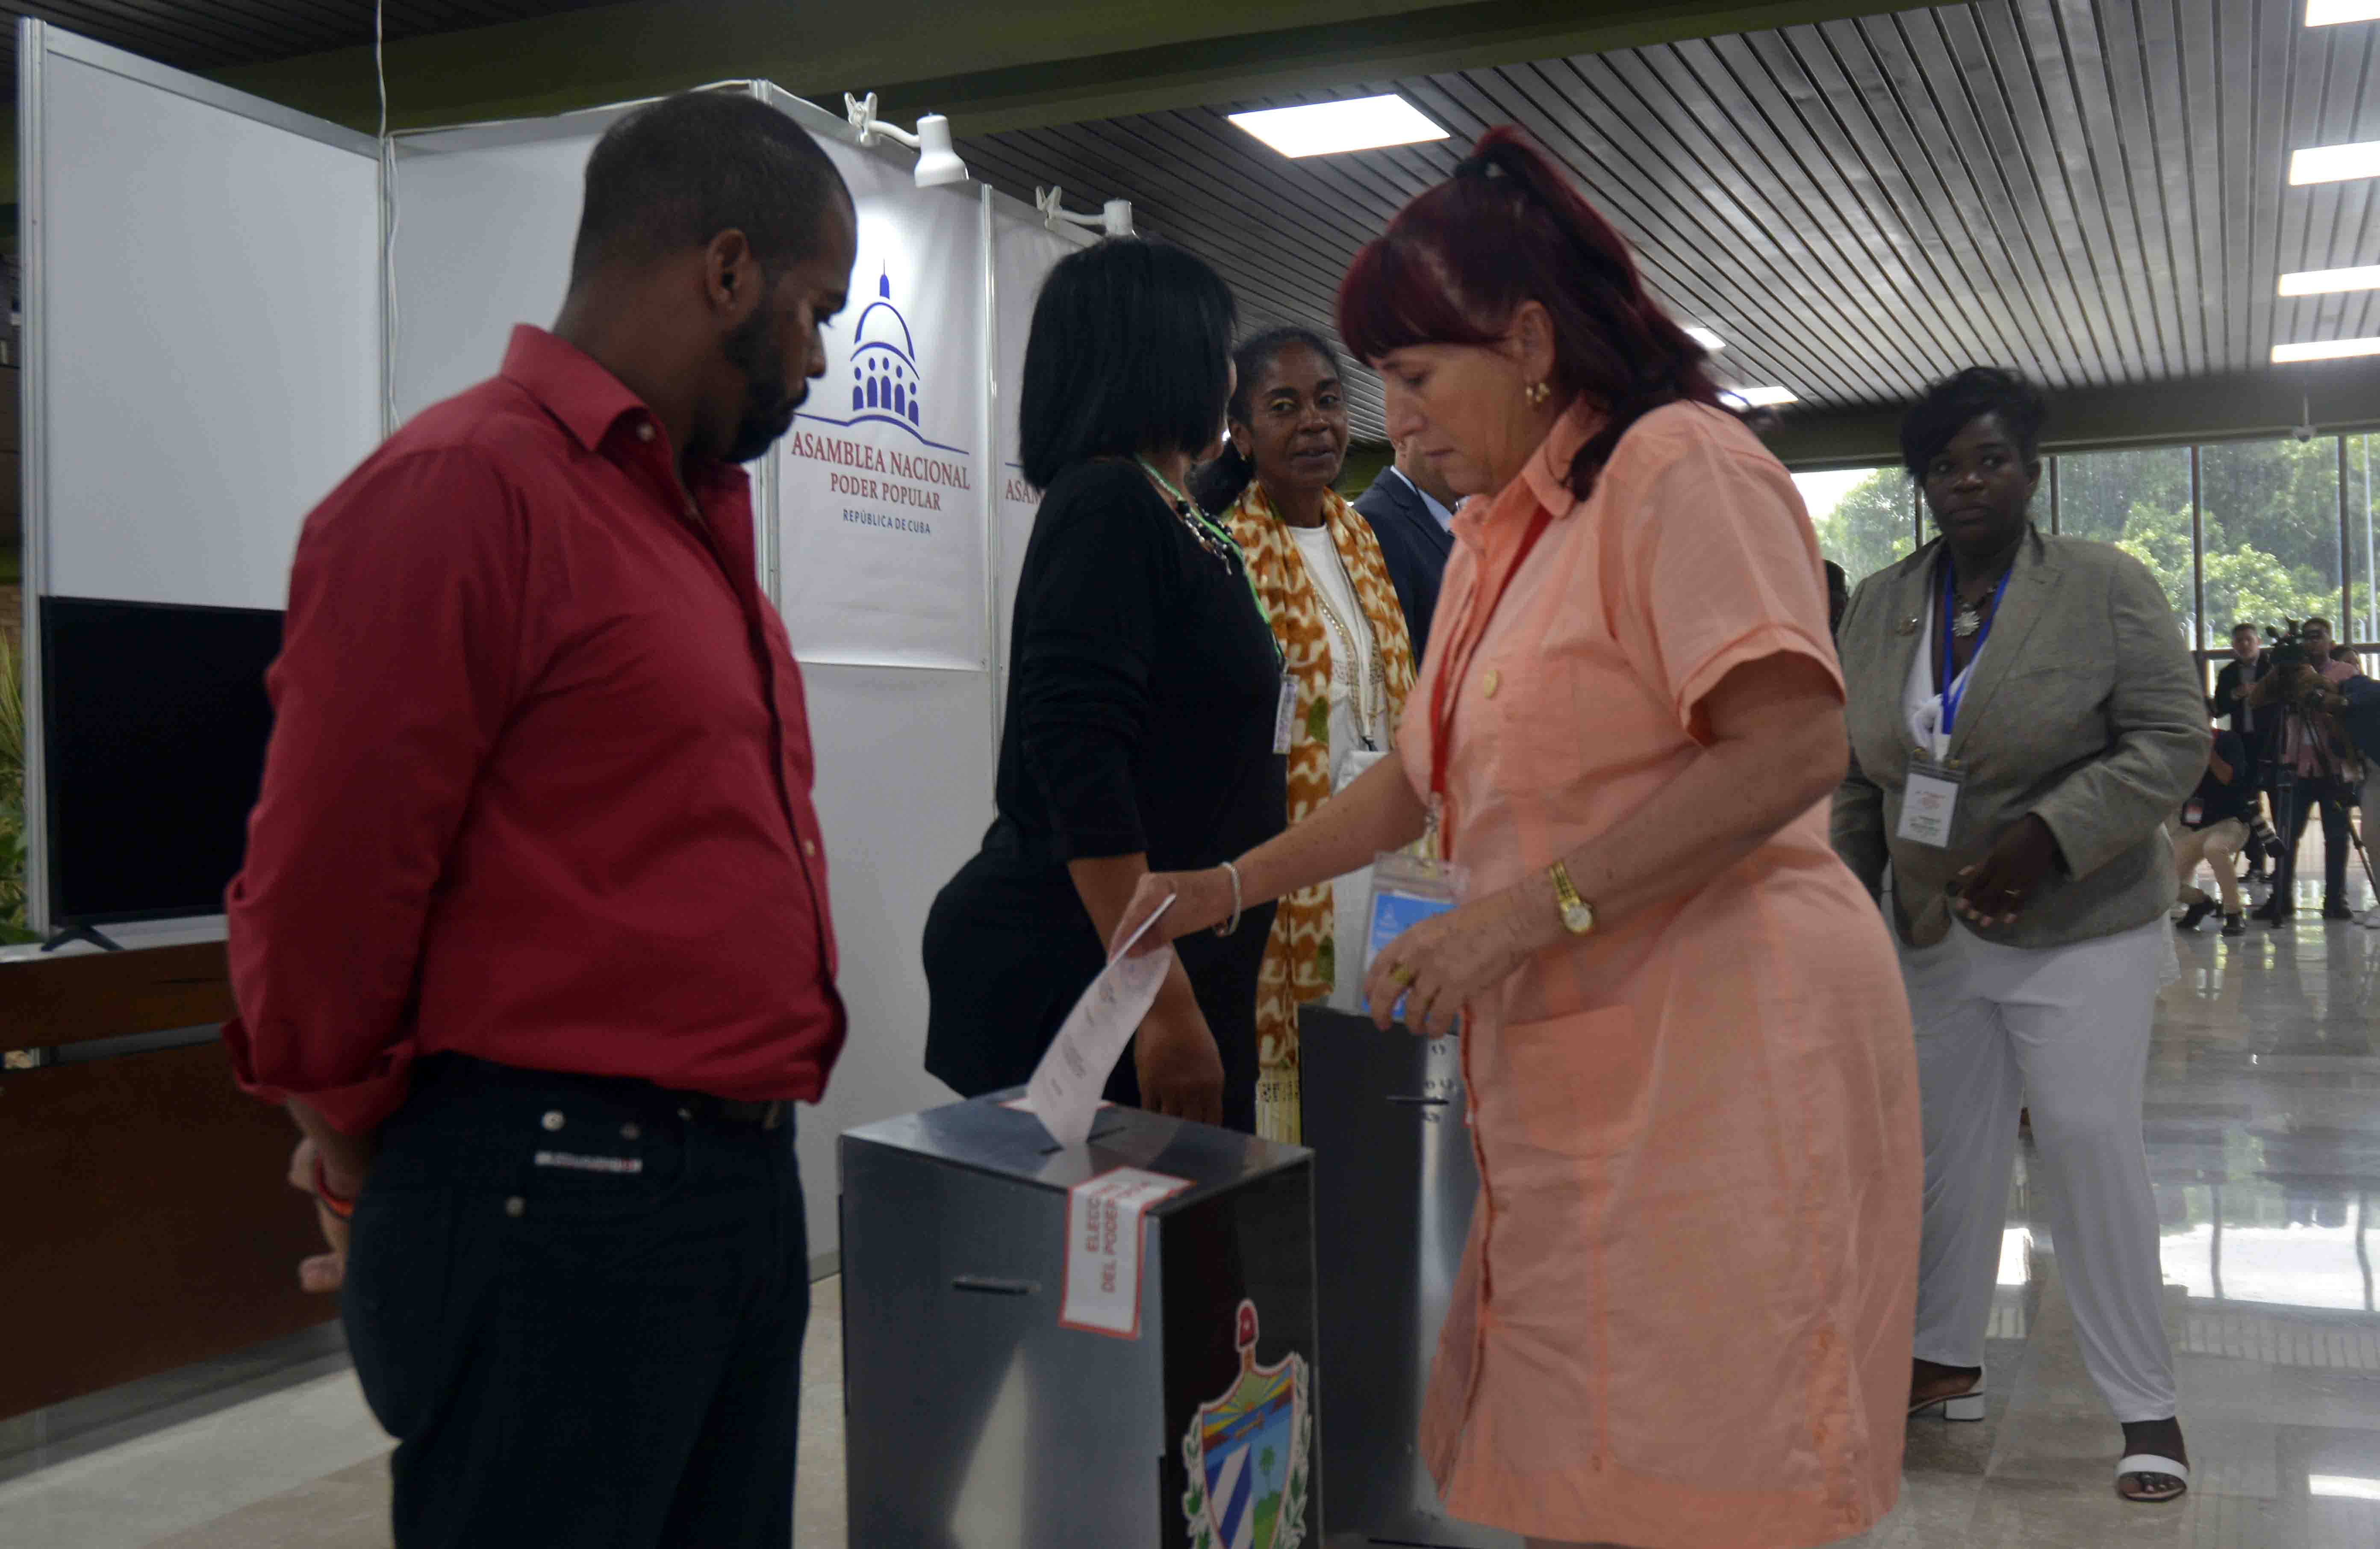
(1450, 960)
(1202, 901)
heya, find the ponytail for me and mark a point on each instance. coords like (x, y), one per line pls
(1217, 486)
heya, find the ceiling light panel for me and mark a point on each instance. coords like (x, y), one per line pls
(2330, 13)
(1759, 398)
(2335, 163)
(2330, 282)
(1708, 339)
(2325, 349)
(1333, 128)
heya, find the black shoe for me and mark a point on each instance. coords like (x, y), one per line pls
(2336, 912)
(2272, 912)
(2196, 917)
(2234, 925)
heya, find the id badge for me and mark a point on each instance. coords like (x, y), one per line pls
(2193, 812)
(1284, 716)
(1930, 805)
(1407, 890)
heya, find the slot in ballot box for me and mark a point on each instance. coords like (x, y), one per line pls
(1110, 1346)
(1394, 1184)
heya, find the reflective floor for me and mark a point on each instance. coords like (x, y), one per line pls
(2263, 1132)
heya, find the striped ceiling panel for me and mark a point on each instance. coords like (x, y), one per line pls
(2094, 190)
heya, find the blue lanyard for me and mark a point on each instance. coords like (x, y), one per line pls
(1953, 691)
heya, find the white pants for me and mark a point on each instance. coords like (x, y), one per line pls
(2066, 1032)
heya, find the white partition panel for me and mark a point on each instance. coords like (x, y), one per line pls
(485, 222)
(205, 294)
(905, 772)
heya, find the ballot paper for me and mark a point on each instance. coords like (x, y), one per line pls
(1064, 1091)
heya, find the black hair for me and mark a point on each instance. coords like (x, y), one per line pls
(1954, 403)
(2252, 629)
(676, 173)
(1218, 485)
(1130, 352)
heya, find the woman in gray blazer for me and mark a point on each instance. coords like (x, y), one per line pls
(2025, 715)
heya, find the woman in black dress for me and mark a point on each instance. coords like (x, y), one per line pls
(1143, 687)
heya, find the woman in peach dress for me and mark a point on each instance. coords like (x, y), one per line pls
(1684, 1313)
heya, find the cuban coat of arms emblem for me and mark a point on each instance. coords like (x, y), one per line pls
(1249, 1454)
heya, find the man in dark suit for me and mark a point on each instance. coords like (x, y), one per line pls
(1412, 512)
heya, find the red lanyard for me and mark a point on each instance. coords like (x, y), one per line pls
(1468, 641)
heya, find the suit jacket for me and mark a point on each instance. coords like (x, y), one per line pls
(2227, 690)
(2085, 708)
(1414, 544)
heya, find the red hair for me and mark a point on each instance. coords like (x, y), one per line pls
(1507, 227)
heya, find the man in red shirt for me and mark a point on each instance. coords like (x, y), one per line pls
(532, 936)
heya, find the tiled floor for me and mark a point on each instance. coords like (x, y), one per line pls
(2264, 1126)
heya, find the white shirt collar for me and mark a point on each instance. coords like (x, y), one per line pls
(1444, 518)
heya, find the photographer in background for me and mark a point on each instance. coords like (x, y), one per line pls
(2211, 829)
(2314, 767)
(2254, 726)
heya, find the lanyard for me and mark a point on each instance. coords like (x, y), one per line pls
(1954, 688)
(1458, 663)
(1187, 509)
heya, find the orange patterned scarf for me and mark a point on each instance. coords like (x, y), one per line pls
(1300, 960)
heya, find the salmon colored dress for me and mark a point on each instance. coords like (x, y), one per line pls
(1683, 1315)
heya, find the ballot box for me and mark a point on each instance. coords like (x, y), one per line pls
(1108, 1346)
(1395, 1182)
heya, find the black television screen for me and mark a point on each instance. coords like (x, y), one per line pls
(153, 726)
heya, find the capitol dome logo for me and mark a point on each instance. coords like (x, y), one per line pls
(887, 384)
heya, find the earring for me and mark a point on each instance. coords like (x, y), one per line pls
(1536, 393)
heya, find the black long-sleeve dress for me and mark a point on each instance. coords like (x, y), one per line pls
(1142, 688)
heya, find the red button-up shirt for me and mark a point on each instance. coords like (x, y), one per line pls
(538, 786)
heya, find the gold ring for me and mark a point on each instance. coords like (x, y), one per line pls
(1400, 975)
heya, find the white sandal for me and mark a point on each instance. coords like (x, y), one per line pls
(2150, 1463)
(1967, 1405)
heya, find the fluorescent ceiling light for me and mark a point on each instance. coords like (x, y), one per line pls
(1757, 397)
(2330, 13)
(1708, 339)
(2325, 349)
(1329, 128)
(2325, 282)
(2343, 1486)
(2335, 163)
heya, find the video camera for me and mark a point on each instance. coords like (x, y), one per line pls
(2287, 646)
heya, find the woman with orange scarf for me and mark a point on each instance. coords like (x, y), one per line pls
(1326, 590)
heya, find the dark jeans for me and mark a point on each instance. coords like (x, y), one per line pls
(580, 1314)
(2293, 807)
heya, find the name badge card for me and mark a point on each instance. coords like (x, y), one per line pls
(1284, 715)
(1407, 891)
(1930, 805)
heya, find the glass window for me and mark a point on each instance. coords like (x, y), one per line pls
(2138, 501)
(1864, 517)
(2362, 624)
(2270, 513)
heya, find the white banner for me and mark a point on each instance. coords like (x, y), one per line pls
(881, 505)
(1023, 252)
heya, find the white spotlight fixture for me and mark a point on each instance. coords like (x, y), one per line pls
(2331, 13)
(937, 163)
(1330, 129)
(1115, 217)
(2329, 282)
(1708, 339)
(1757, 397)
(2335, 163)
(2325, 349)
(2343, 1488)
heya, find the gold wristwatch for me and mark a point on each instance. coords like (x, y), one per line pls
(1578, 915)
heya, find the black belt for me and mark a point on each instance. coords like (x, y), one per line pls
(699, 1107)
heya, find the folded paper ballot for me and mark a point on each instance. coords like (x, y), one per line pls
(1064, 1091)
